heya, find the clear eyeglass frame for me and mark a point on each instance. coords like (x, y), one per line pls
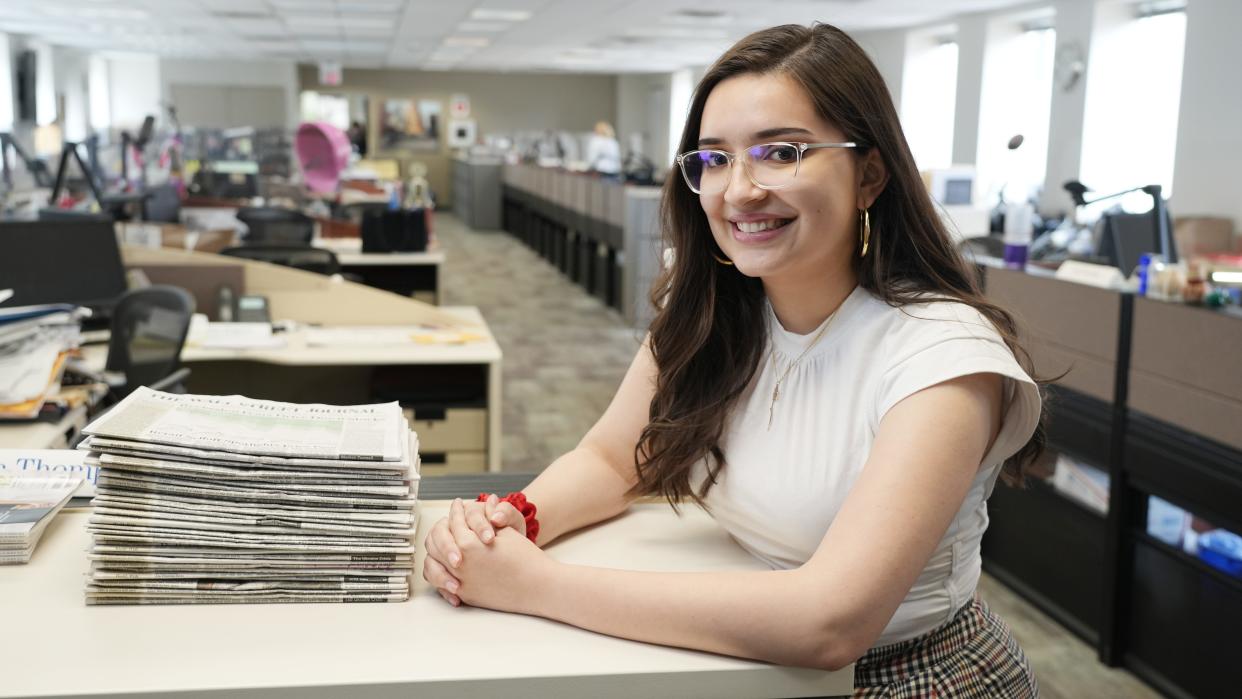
(799, 149)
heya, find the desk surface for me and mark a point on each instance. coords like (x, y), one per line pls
(41, 435)
(296, 351)
(349, 253)
(422, 648)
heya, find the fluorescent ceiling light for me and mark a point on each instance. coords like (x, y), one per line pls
(676, 32)
(482, 27)
(313, 20)
(500, 15)
(373, 6)
(474, 42)
(368, 22)
(352, 32)
(121, 13)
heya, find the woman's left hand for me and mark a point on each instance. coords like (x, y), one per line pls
(506, 574)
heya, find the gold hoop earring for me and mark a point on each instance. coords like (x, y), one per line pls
(864, 231)
(722, 260)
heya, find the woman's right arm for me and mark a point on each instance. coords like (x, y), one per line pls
(592, 482)
(587, 485)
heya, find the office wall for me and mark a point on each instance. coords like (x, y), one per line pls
(643, 108)
(134, 89)
(499, 102)
(972, 36)
(8, 98)
(72, 69)
(887, 49)
(1207, 170)
(206, 93)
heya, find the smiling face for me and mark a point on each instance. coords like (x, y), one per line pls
(804, 230)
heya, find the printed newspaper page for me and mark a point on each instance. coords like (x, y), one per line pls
(245, 425)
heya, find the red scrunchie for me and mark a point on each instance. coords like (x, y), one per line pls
(523, 506)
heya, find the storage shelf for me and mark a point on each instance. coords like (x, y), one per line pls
(1185, 558)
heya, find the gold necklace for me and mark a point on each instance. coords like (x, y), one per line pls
(776, 390)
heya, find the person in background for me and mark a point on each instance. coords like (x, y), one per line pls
(603, 151)
(824, 376)
(357, 134)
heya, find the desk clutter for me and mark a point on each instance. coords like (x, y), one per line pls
(35, 344)
(225, 499)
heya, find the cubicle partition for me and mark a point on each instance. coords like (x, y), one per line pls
(1048, 546)
(353, 344)
(476, 192)
(1179, 623)
(1147, 396)
(582, 224)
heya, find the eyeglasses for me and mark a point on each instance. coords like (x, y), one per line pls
(768, 165)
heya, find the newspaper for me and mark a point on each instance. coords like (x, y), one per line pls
(259, 484)
(27, 504)
(107, 516)
(122, 483)
(260, 427)
(250, 523)
(170, 554)
(269, 475)
(158, 502)
(224, 458)
(95, 598)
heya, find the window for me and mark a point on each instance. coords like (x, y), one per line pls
(6, 86)
(928, 99)
(1134, 84)
(1016, 99)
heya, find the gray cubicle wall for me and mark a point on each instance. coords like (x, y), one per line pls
(595, 222)
(477, 194)
(643, 254)
(1068, 328)
(1184, 369)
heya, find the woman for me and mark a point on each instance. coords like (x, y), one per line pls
(824, 376)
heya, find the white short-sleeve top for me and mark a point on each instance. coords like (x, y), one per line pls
(781, 487)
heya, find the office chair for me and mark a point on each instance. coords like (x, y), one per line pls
(149, 327)
(272, 226)
(305, 258)
(164, 205)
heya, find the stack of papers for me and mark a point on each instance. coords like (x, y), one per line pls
(224, 499)
(27, 503)
(35, 342)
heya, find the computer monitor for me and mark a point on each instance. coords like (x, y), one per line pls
(61, 262)
(1122, 238)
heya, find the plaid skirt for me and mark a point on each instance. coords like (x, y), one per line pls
(974, 655)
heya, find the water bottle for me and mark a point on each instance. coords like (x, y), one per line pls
(1017, 234)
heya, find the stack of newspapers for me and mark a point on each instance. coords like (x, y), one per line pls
(224, 499)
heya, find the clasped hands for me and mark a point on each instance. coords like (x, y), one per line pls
(479, 555)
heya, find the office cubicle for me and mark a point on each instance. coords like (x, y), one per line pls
(1153, 396)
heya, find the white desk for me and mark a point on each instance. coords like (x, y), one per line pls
(422, 648)
(395, 271)
(299, 372)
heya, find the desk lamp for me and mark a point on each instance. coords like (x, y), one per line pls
(1077, 191)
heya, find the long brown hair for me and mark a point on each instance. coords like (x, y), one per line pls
(709, 332)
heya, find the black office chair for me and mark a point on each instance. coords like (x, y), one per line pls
(149, 327)
(272, 226)
(305, 258)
